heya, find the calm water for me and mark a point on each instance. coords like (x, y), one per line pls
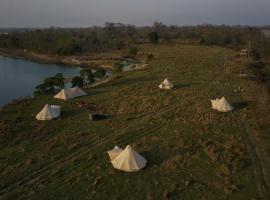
(18, 78)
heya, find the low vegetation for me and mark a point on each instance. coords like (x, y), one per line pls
(193, 152)
(50, 85)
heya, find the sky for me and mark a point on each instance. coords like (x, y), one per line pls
(86, 13)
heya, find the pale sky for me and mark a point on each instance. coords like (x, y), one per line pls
(84, 13)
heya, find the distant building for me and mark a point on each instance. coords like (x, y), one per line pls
(4, 33)
(244, 52)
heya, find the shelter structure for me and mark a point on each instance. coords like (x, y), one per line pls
(129, 160)
(70, 93)
(244, 52)
(221, 105)
(166, 85)
(114, 152)
(49, 112)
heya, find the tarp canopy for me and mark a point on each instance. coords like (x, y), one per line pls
(166, 84)
(49, 112)
(114, 152)
(221, 105)
(129, 160)
(70, 93)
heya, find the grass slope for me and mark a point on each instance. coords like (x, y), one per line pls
(192, 151)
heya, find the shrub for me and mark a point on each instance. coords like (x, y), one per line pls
(149, 57)
(118, 66)
(77, 81)
(153, 37)
(87, 75)
(203, 41)
(100, 73)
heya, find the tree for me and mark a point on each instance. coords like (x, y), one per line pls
(100, 73)
(50, 85)
(39, 90)
(153, 37)
(87, 75)
(77, 81)
(159, 26)
(59, 80)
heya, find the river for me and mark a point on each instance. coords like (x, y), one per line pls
(18, 78)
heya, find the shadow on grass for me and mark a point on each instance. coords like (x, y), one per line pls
(129, 81)
(179, 86)
(95, 92)
(67, 114)
(240, 105)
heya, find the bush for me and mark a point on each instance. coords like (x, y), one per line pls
(87, 75)
(77, 81)
(100, 73)
(118, 67)
(153, 37)
(203, 41)
(149, 57)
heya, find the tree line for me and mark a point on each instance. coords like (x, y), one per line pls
(55, 83)
(117, 36)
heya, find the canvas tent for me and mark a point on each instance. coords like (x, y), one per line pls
(114, 152)
(166, 84)
(70, 93)
(221, 105)
(129, 160)
(48, 112)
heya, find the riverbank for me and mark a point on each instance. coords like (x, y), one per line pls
(94, 60)
(40, 58)
(19, 77)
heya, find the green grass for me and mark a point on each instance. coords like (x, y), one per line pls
(192, 151)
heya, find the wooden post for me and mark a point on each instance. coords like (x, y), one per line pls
(249, 48)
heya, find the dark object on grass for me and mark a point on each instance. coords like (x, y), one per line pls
(95, 117)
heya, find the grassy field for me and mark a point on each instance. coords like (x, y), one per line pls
(193, 152)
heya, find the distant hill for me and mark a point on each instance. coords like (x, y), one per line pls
(11, 30)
